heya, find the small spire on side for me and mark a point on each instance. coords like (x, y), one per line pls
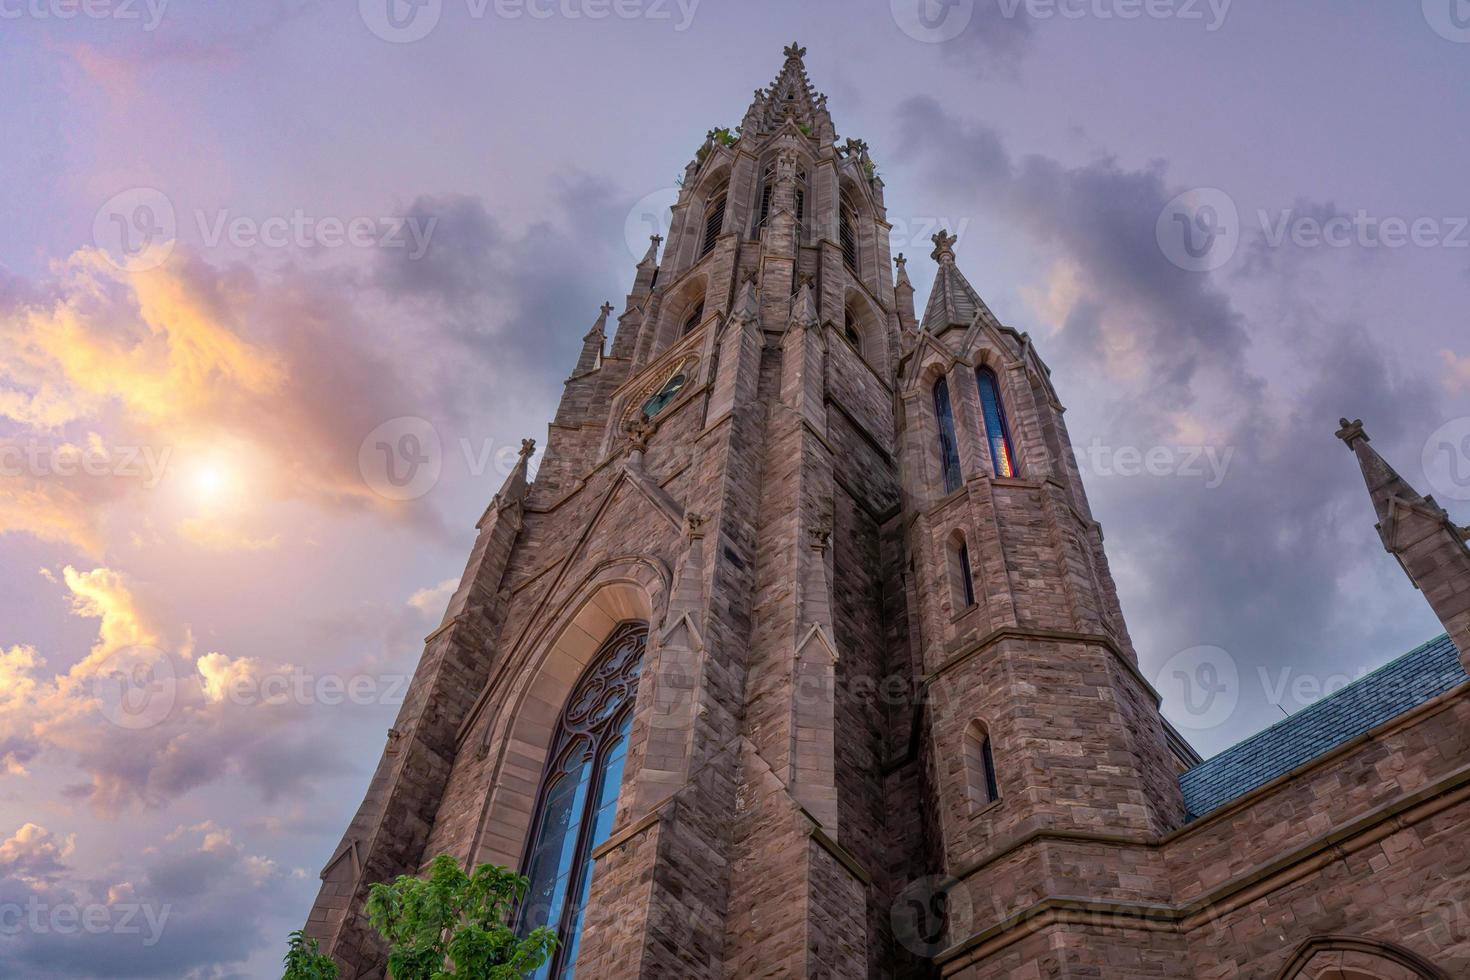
(1419, 533)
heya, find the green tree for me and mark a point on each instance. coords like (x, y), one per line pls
(306, 961)
(453, 924)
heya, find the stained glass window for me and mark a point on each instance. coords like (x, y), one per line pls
(997, 433)
(660, 400)
(579, 795)
(949, 453)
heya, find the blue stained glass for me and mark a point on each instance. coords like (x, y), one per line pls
(579, 795)
(949, 453)
(997, 433)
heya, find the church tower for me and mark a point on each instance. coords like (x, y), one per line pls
(800, 656)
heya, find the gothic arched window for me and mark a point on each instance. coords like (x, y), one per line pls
(962, 581)
(850, 331)
(714, 223)
(579, 794)
(768, 187)
(997, 432)
(980, 767)
(692, 320)
(847, 235)
(949, 453)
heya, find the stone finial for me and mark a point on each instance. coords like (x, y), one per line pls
(1351, 432)
(794, 51)
(901, 276)
(943, 246)
(528, 448)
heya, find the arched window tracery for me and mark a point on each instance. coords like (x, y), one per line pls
(577, 799)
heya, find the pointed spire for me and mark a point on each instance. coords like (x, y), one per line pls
(592, 344)
(1384, 482)
(804, 304)
(903, 296)
(650, 258)
(747, 301)
(952, 301)
(1419, 533)
(791, 94)
(513, 490)
(901, 277)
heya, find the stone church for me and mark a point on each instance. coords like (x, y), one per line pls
(801, 657)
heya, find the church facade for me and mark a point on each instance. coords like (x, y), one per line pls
(801, 657)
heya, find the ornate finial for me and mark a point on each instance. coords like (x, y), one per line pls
(900, 261)
(943, 245)
(657, 240)
(795, 50)
(528, 448)
(1351, 432)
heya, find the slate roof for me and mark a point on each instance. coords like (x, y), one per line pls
(1418, 676)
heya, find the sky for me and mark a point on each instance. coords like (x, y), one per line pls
(243, 245)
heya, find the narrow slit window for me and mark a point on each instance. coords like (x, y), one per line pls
(997, 432)
(967, 583)
(949, 453)
(693, 319)
(980, 767)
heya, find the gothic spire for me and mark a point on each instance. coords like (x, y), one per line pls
(791, 94)
(593, 343)
(952, 301)
(1419, 533)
